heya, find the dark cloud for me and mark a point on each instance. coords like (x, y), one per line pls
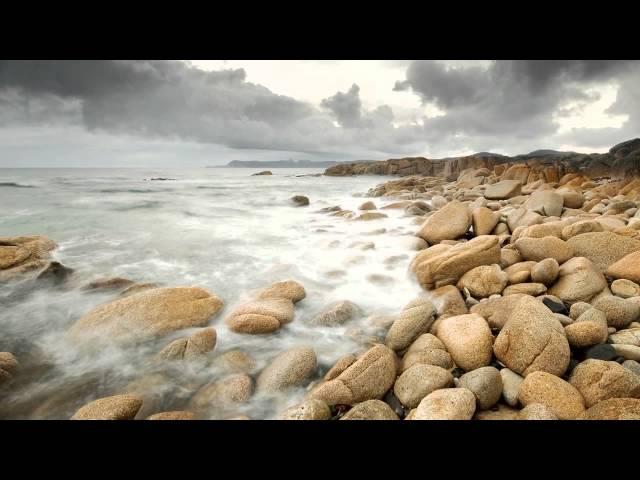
(345, 106)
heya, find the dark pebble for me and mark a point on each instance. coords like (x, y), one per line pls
(555, 307)
(457, 372)
(602, 352)
(391, 400)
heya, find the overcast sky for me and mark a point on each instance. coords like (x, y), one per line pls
(208, 112)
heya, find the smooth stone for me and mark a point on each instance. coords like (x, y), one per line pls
(625, 288)
(619, 312)
(420, 380)
(447, 404)
(415, 319)
(599, 380)
(536, 411)
(614, 409)
(484, 281)
(468, 339)
(578, 281)
(562, 398)
(117, 407)
(312, 409)
(545, 271)
(337, 314)
(530, 289)
(603, 248)
(628, 267)
(175, 415)
(538, 249)
(448, 223)
(289, 289)
(370, 410)
(601, 352)
(288, 369)
(486, 385)
(511, 382)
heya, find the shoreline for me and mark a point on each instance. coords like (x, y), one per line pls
(519, 311)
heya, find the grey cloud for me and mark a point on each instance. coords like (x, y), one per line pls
(345, 106)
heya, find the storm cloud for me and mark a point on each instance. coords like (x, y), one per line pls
(504, 106)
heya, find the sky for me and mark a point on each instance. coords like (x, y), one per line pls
(208, 112)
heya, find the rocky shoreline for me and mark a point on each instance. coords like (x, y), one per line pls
(530, 309)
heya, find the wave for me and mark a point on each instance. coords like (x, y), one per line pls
(127, 190)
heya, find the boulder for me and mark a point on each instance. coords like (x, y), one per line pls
(175, 415)
(300, 200)
(536, 411)
(188, 348)
(289, 289)
(420, 380)
(545, 202)
(532, 340)
(447, 404)
(613, 409)
(486, 385)
(369, 377)
(530, 289)
(223, 393)
(235, 361)
(337, 314)
(415, 319)
(603, 248)
(484, 281)
(370, 216)
(628, 267)
(449, 223)
(598, 380)
(288, 369)
(261, 316)
(426, 349)
(629, 336)
(578, 281)
(545, 271)
(496, 311)
(562, 398)
(625, 288)
(589, 329)
(620, 312)
(448, 301)
(521, 217)
(468, 339)
(312, 409)
(370, 410)
(484, 220)
(538, 249)
(578, 228)
(367, 206)
(149, 314)
(503, 190)
(117, 407)
(442, 265)
(511, 382)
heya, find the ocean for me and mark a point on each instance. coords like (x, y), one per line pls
(217, 228)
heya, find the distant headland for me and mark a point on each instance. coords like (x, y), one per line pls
(281, 164)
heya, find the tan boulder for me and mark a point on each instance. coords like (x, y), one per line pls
(235, 361)
(442, 265)
(625, 288)
(578, 228)
(578, 281)
(370, 216)
(603, 248)
(149, 314)
(312, 409)
(630, 336)
(369, 377)
(367, 206)
(175, 415)
(613, 409)
(619, 312)
(503, 190)
(521, 217)
(532, 340)
(484, 220)
(370, 410)
(484, 281)
(538, 249)
(519, 272)
(288, 369)
(511, 382)
(531, 289)
(590, 328)
(188, 348)
(449, 223)
(562, 398)
(468, 339)
(545, 202)
(599, 380)
(415, 319)
(261, 316)
(447, 404)
(117, 407)
(545, 271)
(420, 380)
(288, 289)
(223, 393)
(486, 385)
(426, 349)
(496, 311)
(448, 301)
(536, 411)
(628, 267)
(337, 314)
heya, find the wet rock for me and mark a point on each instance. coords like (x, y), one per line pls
(235, 361)
(148, 314)
(562, 398)
(312, 409)
(340, 366)
(370, 216)
(8, 365)
(288, 289)
(117, 407)
(288, 369)
(264, 172)
(137, 288)
(223, 393)
(189, 348)
(367, 206)
(176, 415)
(261, 316)
(468, 339)
(300, 200)
(337, 314)
(113, 283)
(448, 301)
